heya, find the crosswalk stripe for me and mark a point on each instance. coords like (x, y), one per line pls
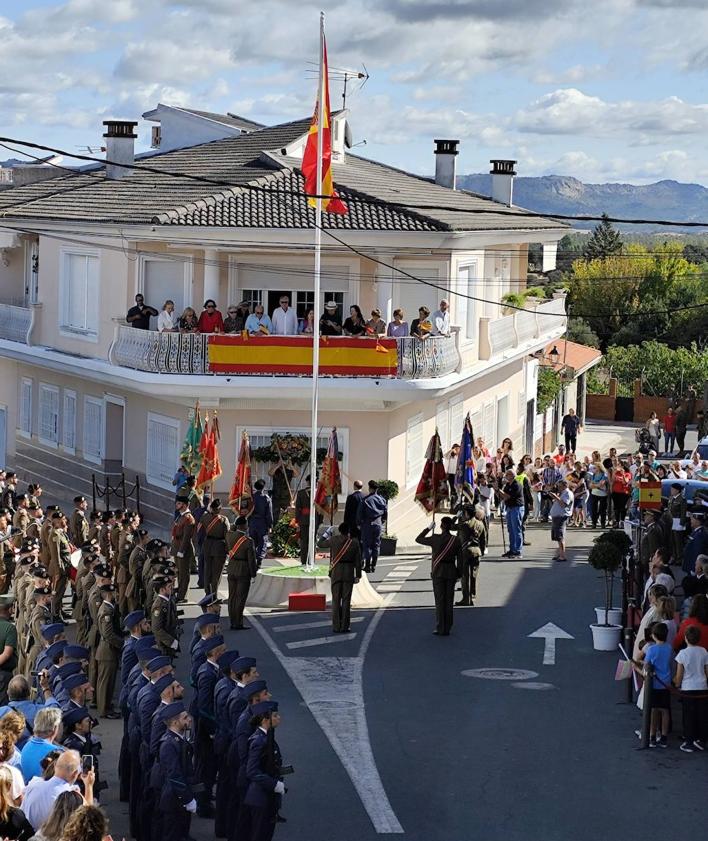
(320, 641)
(395, 574)
(306, 626)
(406, 568)
(389, 588)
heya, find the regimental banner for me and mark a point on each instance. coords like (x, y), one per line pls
(339, 357)
(649, 495)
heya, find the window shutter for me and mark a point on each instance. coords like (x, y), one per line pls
(488, 427)
(457, 408)
(93, 418)
(26, 407)
(69, 424)
(415, 452)
(163, 449)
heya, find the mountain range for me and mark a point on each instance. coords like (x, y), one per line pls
(671, 200)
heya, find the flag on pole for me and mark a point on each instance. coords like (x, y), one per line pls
(241, 494)
(464, 474)
(330, 482)
(433, 487)
(333, 204)
(649, 495)
(211, 465)
(190, 449)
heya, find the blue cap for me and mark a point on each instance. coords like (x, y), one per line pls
(56, 648)
(208, 600)
(75, 681)
(243, 664)
(132, 619)
(147, 655)
(206, 619)
(172, 710)
(76, 652)
(227, 658)
(159, 663)
(148, 641)
(75, 716)
(264, 707)
(49, 631)
(67, 669)
(253, 688)
(209, 645)
(163, 683)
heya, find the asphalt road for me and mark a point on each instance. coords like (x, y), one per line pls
(438, 754)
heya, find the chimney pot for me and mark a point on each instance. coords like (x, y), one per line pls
(503, 173)
(445, 163)
(120, 147)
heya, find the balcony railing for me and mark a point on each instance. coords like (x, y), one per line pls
(193, 353)
(523, 327)
(15, 323)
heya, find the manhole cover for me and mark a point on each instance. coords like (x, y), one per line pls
(531, 684)
(500, 674)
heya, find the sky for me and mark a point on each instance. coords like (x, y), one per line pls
(602, 90)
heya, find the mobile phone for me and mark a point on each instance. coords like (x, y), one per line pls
(86, 763)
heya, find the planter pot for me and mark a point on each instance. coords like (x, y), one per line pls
(388, 546)
(614, 615)
(606, 637)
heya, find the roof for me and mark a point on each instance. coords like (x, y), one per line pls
(573, 355)
(381, 197)
(227, 119)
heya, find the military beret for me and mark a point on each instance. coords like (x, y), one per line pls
(38, 571)
(183, 499)
(163, 683)
(165, 571)
(253, 688)
(108, 588)
(68, 669)
(264, 708)
(77, 652)
(75, 681)
(210, 644)
(160, 581)
(144, 642)
(208, 600)
(243, 664)
(133, 619)
(172, 710)
(29, 545)
(227, 658)
(75, 716)
(143, 532)
(42, 591)
(51, 630)
(4, 512)
(103, 571)
(79, 499)
(89, 546)
(56, 649)
(206, 619)
(52, 508)
(34, 506)
(56, 515)
(159, 663)
(155, 544)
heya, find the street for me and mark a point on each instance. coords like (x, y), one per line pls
(438, 753)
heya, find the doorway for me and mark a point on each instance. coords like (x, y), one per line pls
(114, 452)
(163, 280)
(274, 296)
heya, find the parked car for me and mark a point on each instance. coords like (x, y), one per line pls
(702, 449)
(694, 490)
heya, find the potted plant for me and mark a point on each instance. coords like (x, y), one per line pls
(388, 489)
(513, 302)
(619, 539)
(534, 295)
(606, 557)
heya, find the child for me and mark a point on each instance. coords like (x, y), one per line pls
(692, 680)
(659, 655)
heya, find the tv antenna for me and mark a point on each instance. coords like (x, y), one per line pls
(91, 150)
(342, 74)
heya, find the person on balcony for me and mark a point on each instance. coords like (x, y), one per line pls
(398, 328)
(167, 319)
(210, 321)
(376, 326)
(307, 324)
(355, 324)
(258, 323)
(441, 320)
(284, 319)
(235, 321)
(139, 315)
(330, 323)
(188, 322)
(422, 327)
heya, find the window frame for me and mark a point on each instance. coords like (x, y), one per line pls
(48, 388)
(87, 334)
(414, 467)
(89, 399)
(25, 431)
(69, 394)
(152, 477)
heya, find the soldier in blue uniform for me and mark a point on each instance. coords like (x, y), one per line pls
(261, 520)
(373, 510)
(136, 625)
(78, 690)
(210, 603)
(209, 627)
(253, 693)
(174, 769)
(205, 723)
(224, 686)
(265, 786)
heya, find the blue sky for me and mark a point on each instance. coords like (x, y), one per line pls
(606, 90)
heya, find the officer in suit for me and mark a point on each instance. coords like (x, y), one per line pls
(59, 560)
(265, 786)
(182, 546)
(344, 572)
(241, 569)
(78, 524)
(108, 651)
(446, 568)
(175, 772)
(164, 621)
(473, 536)
(205, 724)
(215, 527)
(78, 736)
(351, 508)
(302, 515)
(372, 511)
(261, 520)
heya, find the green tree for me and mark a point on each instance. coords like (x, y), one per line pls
(548, 388)
(663, 370)
(605, 240)
(580, 331)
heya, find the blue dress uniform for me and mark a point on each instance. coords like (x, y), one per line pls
(147, 701)
(134, 741)
(175, 773)
(85, 745)
(225, 685)
(263, 795)
(240, 718)
(206, 766)
(235, 705)
(261, 521)
(372, 511)
(198, 652)
(128, 661)
(205, 602)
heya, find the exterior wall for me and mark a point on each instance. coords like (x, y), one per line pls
(179, 130)
(12, 275)
(9, 384)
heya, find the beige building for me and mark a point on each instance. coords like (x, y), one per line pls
(81, 392)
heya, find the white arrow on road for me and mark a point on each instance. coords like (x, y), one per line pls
(550, 633)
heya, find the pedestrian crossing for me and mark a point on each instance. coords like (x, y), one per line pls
(298, 631)
(395, 579)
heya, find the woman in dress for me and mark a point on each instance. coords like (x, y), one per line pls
(421, 326)
(167, 319)
(355, 324)
(398, 328)
(654, 427)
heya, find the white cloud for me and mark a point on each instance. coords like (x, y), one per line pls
(570, 76)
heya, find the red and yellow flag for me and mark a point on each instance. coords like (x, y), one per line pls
(649, 495)
(211, 464)
(309, 158)
(241, 494)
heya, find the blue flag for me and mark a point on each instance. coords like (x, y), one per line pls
(464, 475)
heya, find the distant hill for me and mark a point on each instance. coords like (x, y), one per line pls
(669, 200)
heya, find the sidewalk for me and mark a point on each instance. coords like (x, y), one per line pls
(601, 435)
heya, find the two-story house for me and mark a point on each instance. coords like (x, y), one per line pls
(82, 392)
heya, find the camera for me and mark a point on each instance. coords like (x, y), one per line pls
(86, 763)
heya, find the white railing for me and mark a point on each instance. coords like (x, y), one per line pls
(524, 327)
(15, 323)
(420, 359)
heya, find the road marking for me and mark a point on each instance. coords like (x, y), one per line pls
(549, 633)
(390, 588)
(395, 574)
(320, 641)
(306, 626)
(406, 568)
(500, 674)
(533, 684)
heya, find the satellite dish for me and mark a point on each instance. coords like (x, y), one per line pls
(347, 135)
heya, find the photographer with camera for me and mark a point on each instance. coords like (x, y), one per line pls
(78, 730)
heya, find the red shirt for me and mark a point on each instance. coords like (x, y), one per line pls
(621, 482)
(679, 639)
(210, 322)
(669, 423)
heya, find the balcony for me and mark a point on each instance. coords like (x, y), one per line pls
(507, 336)
(16, 323)
(235, 355)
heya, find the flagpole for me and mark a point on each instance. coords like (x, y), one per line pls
(316, 283)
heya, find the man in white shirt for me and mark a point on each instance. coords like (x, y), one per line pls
(40, 794)
(561, 509)
(284, 319)
(441, 320)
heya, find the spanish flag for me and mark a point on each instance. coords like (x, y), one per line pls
(309, 158)
(649, 495)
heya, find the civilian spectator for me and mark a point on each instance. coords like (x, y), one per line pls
(8, 754)
(692, 679)
(210, 321)
(561, 509)
(139, 315)
(676, 471)
(681, 424)
(188, 322)
(656, 591)
(13, 823)
(698, 617)
(512, 494)
(376, 326)
(284, 319)
(235, 321)
(355, 324)
(570, 427)
(697, 581)
(421, 326)
(41, 794)
(654, 427)
(669, 425)
(64, 807)
(47, 724)
(180, 477)
(306, 326)
(550, 476)
(666, 612)
(330, 322)
(258, 323)
(451, 468)
(660, 656)
(621, 492)
(398, 328)
(18, 691)
(599, 491)
(559, 457)
(441, 320)
(88, 823)
(702, 472)
(483, 447)
(167, 321)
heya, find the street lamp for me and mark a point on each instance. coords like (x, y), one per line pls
(554, 355)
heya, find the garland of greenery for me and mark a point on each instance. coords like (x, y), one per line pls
(293, 447)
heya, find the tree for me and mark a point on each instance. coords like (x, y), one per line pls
(549, 386)
(605, 241)
(580, 331)
(664, 371)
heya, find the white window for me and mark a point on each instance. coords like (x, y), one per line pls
(415, 450)
(163, 450)
(503, 430)
(93, 429)
(467, 307)
(489, 432)
(69, 421)
(48, 414)
(26, 407)
(79, 289)
(442, 423)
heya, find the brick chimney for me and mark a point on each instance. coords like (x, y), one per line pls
(446, 163)
(120, 147)
(503, 173)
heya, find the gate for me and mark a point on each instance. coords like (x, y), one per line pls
(624, 409)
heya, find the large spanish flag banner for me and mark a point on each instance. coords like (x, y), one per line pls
(649, 494)
(343, 357)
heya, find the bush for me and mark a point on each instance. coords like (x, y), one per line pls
(513, 299)
(284, 538)
(387, 488)
(606, 557)
(535, 292)
(617, 538)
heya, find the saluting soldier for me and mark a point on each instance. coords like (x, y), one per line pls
(59, 560)
(108, 651)
(216, 527)
(78, 524)
(446, 568)
(473, 536)
(344, 572)
(164, 622)
(241, 569)
(182, 546)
